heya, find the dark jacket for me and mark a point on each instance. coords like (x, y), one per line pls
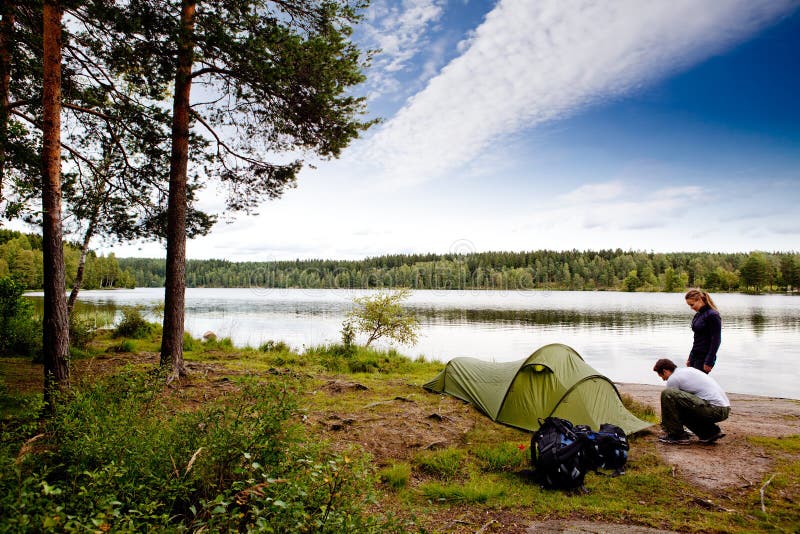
(707, 327)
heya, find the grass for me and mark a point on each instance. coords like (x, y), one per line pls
(503, 456)
(640, 410)
(482, 473)
(444, 464)
(396, 475)
(477, 491)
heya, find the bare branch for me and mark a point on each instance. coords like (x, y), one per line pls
(221, 143)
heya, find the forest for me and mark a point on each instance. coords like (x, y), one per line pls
(616, 270)
(21, 260)
(608, 270)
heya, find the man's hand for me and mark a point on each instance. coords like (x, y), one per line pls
(706, 368)
(688, 363)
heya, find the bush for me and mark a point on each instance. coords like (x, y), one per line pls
(81, 331)
(340, 359)
(213, 343)
(274, 346)
(20, 331)
(133, 325)
(126, 345)
(189, 343)
(117, 458)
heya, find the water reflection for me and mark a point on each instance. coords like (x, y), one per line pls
(548, 317)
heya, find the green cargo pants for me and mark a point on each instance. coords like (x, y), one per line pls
(679, 408)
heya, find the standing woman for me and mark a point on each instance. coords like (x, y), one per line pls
(707, 327)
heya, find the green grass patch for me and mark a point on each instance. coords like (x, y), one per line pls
(274, 346)
(639, 409)
(126, 345)
(353, 359)
(445, 464)
(396, 475)
(503, 456)
(474, 491)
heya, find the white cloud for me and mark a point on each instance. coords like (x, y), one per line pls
(620, 206)
(594, 192)
(400, 31)
(531, 62)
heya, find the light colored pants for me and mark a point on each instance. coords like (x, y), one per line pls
(679, 408)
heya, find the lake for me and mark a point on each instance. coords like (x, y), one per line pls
(619, 334)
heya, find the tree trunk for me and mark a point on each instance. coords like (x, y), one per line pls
(56, 321)
(99, 197)
(6, 40)
(76, 286)
(175, 284)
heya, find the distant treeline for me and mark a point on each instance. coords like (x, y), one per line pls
(543, 269)
(21, 260)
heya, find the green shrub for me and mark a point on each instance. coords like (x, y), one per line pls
(274, 346)
(444, 464)
(213, 343)
(20, 330)
(287, 358)
(133, 325)
(81, 331)
(126, 345)
(396, 475)
(190, 343)
(340, 359)
(117, 457)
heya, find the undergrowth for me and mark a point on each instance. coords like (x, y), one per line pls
(116, 457)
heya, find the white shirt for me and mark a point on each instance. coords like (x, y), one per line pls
(698, 383)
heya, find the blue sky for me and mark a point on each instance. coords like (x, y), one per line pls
(521, 125)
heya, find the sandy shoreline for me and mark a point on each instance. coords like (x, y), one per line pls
(733, 460)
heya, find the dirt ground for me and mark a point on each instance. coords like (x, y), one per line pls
(731, 461)
(396, 428)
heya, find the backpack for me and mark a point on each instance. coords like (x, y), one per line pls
(563, 453)
(608, 448)
(560, 456)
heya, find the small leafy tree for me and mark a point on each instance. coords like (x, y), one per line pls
(382, 315)
(755, 271)
(631, 282)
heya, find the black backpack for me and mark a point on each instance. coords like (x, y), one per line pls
(559, 454)
(562, 453)
(608, 448)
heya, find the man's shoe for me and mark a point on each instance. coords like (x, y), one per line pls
(678, 439)
(712, 438)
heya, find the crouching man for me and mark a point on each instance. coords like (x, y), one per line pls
(691, 398)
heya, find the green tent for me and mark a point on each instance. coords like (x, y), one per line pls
(553, 381)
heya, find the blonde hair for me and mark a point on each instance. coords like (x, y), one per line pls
(695, 294)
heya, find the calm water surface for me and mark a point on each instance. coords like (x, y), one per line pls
(619, 334)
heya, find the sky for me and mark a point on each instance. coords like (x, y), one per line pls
(667, 125)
